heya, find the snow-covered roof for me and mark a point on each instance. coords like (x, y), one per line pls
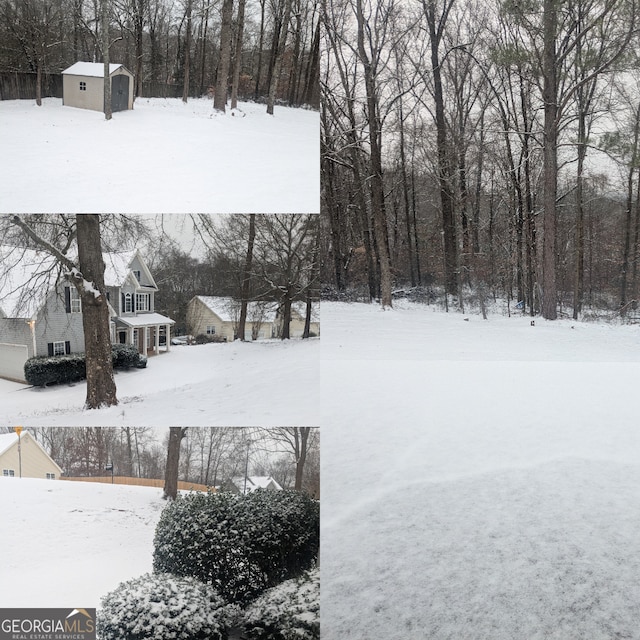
(7, 440)
(228, 309)
(92, 69)
(144, 320)
(28, 275)
(255, 482)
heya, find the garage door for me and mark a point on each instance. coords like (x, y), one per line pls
(12, 359)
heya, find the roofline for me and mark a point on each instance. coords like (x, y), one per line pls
(27, 433)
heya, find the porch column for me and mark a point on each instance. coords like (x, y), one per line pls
(156, 345)
(168, 333)
(146, 340)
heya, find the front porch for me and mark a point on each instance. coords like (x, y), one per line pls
(149, 333)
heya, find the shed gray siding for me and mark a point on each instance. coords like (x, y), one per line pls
(54, 324)
(92, 97)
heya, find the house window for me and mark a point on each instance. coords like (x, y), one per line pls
(137, 275)
(58, 349)
(127, 303)
(83, 86)
(211, 329)
(51, 476)
(9, 473)
(75, 300)
(142, 302)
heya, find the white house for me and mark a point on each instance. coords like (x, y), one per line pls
(250, 484)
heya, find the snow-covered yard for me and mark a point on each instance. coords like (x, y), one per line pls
(481, 479)
(266, 383)
(67, 544)
(163, 156)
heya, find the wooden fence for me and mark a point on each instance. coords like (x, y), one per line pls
(142, 482)
(22, 86)
(18, 85)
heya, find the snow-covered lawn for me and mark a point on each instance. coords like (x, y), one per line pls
(481, 479)
(67, 544)
(161, 157)
(265, 383)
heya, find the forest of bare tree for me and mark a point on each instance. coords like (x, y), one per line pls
(476, 151)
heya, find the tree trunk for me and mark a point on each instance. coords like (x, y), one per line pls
(101, 388)
(311, 76)
(246, 277)
(550, 161)
(260, 45)
(173, 462)
(187, 56)
(238, 55)
(301, 439)
(222, 80)
(279, 55)
(105, 59)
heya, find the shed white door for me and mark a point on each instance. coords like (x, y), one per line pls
(12, 359)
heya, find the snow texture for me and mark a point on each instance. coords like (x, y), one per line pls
(161, 157)
(481, 479)
(266, 383)
(67, 544)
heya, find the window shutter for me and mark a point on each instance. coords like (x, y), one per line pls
(50, 348)
(67, 347)
(123, 308)
(67, 299)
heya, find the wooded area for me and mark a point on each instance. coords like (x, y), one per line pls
(253, 50)
(482, 150)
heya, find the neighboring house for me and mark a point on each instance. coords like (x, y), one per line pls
(41, 313)
(83, 86)
(252, 483)
(218, 316)
(31, 461)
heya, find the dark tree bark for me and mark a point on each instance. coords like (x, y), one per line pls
(105, 59)
(187, 55)
(246, 277)
(101, 388)
(238, 55)
(279, 54)
(173, 462)
(222, 80)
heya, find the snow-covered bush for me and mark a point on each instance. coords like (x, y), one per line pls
(40, 371)
(164, 607)
(203, 338)
(43, 370)
(124, 356)
(241, 545)
(290, 611)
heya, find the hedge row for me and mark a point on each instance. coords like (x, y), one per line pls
(43, 370)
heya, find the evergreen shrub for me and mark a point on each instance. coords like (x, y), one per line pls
(164, 607)
(241, 545)
(289, 611)
(40, 371)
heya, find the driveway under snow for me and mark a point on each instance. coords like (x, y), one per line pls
(264, 383)
(164, 156)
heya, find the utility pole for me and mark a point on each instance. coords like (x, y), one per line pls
(18, 430)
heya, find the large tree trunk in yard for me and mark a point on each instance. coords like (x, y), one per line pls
(238, 56)
(101, 388)
(222, 81)
(246, 277)
(173, 461)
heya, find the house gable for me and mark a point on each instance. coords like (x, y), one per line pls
(34, 461)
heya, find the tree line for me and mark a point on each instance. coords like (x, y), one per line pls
(208, 455)
(256, 50)
(483, 149)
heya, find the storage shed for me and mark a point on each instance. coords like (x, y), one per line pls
(83, 86)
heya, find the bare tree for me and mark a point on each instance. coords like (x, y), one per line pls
(173, 462)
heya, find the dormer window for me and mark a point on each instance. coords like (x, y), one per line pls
(142, 302)
(137, 275)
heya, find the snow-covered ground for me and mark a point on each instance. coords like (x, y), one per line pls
(264, 383)
(164, 156)
(67, 544)
(481, 479)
